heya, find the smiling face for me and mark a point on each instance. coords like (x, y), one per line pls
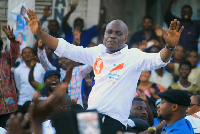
(27, 54)
(115, 36)
(145, 76)
(184, 71)
(51, 82)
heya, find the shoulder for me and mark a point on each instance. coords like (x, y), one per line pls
(174, 86)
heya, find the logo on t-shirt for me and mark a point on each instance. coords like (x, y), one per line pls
(98, 66)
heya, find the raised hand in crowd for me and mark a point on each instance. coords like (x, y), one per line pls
(76, 36)
(17, 125)
(40, 44)
(158, 30)
(172, 36)
(40, 111)
(142, 45)
(47, 12)
(8, 31)
(73, 4)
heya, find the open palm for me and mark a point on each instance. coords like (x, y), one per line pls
(172, 36)
(33, 22)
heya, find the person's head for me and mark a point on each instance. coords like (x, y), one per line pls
(144, 76)
(78, 22)
(51, 79)
(53, 26)
(1, 44)
(155, 49)
(186, 12)
(66, 103)
(91, 44)
(20, 37)
(147, 23)
(23, 10)
(194, 104)
(173, 105)
(178, 53)
(64, 62)
(184, 69)
(193, 58)
(139, 109)
(115, 36)
(27, 54)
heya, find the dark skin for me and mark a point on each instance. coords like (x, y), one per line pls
(184, 72)
(27, 56)
(193, 58)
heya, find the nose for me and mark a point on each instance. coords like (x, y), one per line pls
(144, 112)
(112, 35)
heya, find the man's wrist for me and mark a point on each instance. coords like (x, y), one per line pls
(170, 48)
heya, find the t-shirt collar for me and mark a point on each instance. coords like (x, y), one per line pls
(174, 126)
(123, 50)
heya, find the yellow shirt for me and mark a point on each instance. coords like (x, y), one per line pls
(194, 76)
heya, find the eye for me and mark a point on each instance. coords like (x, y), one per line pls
(119, 33)
(109, 31)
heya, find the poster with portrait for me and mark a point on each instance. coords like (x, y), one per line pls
(16, 11)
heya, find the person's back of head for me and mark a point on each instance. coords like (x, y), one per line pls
(79, 22)
(1, 44)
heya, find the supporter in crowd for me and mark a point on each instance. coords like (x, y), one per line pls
(177, 57)
(193, 112)
(21, 73)
(87, 85)
(86, 35)
(194, 76)
(140, 110)
(150, 89)
(160, 76)
(172, 109)
(8, 101)
(189, 37)
(147, 33)
(183, 83)
(107, 95)
(79, 72)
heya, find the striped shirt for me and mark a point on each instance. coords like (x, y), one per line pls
(78, 74)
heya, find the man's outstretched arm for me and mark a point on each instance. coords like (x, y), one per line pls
(36, 28)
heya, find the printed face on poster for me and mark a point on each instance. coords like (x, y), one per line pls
(16, 11)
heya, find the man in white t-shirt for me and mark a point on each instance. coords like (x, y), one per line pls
(117, 68)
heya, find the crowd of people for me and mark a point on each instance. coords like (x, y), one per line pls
(148, 85)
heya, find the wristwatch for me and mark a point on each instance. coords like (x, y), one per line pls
(171, 49)
(152, 128)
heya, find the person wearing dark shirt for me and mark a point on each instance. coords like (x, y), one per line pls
(191, 32)
(147, 33)
(86, 35)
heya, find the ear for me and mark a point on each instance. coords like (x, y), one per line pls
(174, 107)
(64, 107)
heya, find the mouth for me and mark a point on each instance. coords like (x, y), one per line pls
(111, 42)
(53, 84)
(143, 118)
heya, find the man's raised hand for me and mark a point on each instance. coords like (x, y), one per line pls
(33, 22)
(172, 36)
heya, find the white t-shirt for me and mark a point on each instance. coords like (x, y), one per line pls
(116, 75)
(47, 128)
(2, 130)
(21, 73)
(195, 122)
(165, 81)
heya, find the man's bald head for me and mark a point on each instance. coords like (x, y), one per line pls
(125, 28)
(116, 35)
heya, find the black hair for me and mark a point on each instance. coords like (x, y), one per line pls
(197, 97)
(148, 17)
(54, 20)
(28, 48)
(1, 44)
(78, 19)
(186, 6)
(137, 99)
(186, 63)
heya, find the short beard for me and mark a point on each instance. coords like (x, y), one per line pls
(160, 117)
